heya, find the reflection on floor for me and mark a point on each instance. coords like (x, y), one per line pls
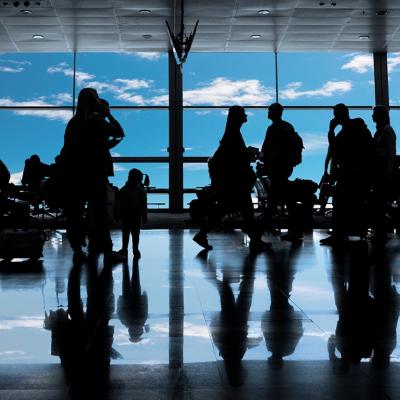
(298, 322)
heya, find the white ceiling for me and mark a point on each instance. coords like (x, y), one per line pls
(225, 25)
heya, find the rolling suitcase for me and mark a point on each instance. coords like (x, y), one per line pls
(21, 243)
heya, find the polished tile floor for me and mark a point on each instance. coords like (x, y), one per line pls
(297, 322)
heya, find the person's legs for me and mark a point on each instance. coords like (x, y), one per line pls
(135, 231)
(99, 232)
(125, 238)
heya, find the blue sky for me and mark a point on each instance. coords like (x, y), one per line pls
(212, 79)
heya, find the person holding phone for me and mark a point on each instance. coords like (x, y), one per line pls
(85, 162)
(351, 152)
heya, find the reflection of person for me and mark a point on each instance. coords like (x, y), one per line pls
(133, 202)
(233, 178)
(229, 328)
(351, 154)
(132, 307)
(83, 339)
(85, 165)
(281, 325)
(350, 280)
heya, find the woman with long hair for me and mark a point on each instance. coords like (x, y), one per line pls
(85, 165)
(233, 178)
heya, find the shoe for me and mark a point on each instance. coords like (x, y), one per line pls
(123, 253)
(113, 257)
(291, 237)
(201, 240)
(259, 245)
(136, 254)
(331, 241)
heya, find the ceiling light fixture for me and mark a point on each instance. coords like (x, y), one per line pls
(38, 37)
(144, 11)
(147, 36)
(26, 12)
(255, 36)
(363, 37)
(264, 12)
(381, 13)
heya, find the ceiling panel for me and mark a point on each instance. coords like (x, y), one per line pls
(225, 25)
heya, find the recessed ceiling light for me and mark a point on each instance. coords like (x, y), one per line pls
(363, 37)
(255, 36)
(145, 11)
(38, 37)
(147, 36)
(264, 12)
(26, 12)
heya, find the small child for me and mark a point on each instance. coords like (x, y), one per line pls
(133, 202)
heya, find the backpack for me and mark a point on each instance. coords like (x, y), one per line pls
(297, 149)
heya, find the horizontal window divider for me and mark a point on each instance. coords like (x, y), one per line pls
(155, 190)
(196, 159)
(50, 107)
(285, 107)
(141, 159)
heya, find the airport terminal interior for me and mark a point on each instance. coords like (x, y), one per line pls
(294, 320)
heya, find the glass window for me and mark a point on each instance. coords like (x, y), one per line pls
(158, 174)
(229, 78)
(27, 132)
(30, 79)
(146, 132)
(125, 79)
(326, 79)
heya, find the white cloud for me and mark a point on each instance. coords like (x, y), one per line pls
(315, 143)
(119, 167)
(12, 70)
(329, 89)
(221, 91)
(203, 112)
(65, 69)
(16, 178)
(61, 98)
(150, 55)
(362, 63)
(132, 84)
(132, 98)
(196, 167)
(61, 115)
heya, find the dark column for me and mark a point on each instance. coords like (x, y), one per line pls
(175, 136)
(381, 79)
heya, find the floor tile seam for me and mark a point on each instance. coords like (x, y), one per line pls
(210, 337)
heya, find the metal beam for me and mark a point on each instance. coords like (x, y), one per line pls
(381, 79)
(175, 148)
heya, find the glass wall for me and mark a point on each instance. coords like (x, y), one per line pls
(36, 101)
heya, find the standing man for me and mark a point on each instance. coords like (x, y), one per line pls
(351, 150)
(281, 152)
(384, 160)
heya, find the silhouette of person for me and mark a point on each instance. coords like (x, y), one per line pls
(132, 306)
(351, 154)
(233, 178)
(350, 280)
(85, 165)
(281, 325)
(34, 173)
(384, 142)
(385, 307)
(83, 339)
(229, 328)
(133, 203)
(281, 152)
